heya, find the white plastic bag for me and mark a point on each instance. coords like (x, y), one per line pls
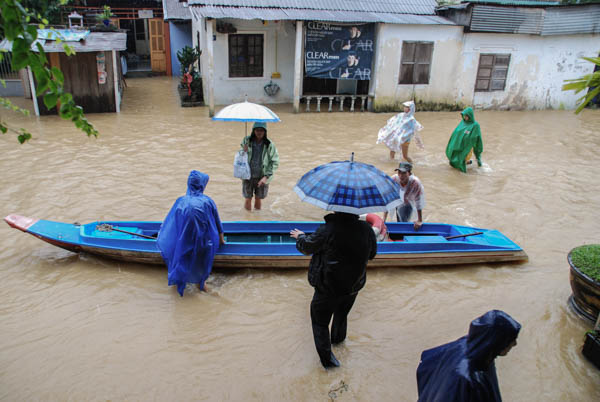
(241, 168)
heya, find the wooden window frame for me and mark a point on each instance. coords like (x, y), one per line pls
(492, 72)
(415, 63)
(246, 70)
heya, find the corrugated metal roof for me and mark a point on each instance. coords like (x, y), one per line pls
(534, 3)
(421, 7)
(176, 10)
(507, 20)
(271, 14)
(94, 42)
(572, 20)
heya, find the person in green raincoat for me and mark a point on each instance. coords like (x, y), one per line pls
(465, 140)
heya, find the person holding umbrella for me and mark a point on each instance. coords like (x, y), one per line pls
(264, 161)
(342, 246)
(262, 153)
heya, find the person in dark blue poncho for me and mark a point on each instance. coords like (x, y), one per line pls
(464, 370)
(190, 235)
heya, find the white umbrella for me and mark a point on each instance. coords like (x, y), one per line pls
(245, 112)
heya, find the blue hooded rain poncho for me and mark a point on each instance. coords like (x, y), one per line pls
(189, 236)
(464, 370)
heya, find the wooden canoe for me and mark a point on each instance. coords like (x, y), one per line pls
(258, 244)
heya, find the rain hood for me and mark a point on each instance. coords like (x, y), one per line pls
(464, 370)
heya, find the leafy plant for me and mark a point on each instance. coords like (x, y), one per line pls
(587, 260)
(17, 25)
(188, 56)
(190, 76)
(105, 15)
(591, 81)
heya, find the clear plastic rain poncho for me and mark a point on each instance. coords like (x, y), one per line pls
(189, 236)
(464, 370)
(401, 128)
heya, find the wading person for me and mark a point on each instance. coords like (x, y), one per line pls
(340, 250)
(400, 130)
(464, 370)
(190, 235)
(465, 141)
(264, 160)
(413, 194)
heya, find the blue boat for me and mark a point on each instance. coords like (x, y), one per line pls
(267, 244)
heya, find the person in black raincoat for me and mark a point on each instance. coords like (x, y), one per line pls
(190, 235)
(464, 370)
(340, 251)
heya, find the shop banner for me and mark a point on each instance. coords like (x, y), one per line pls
(339, 51)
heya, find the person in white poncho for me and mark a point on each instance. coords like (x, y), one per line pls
(400, 130)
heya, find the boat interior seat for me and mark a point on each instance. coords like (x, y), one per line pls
(425, 239)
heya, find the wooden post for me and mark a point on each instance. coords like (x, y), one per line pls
(211, 67)
(167, 38)
(597, 326)
(298, 67)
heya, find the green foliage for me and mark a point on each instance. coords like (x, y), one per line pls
(188, 56)
(105, 15)
(591, 81)
(16, 22)
(587, 259)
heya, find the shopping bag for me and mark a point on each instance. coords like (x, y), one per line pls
(241, 168)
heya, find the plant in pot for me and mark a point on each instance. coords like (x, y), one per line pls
(190, 87)
(584, 262)
(104, 19)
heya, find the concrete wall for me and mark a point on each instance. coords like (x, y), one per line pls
(538, 67)
(181, 36)
(276, 59)
(445, 65)
(13, 88)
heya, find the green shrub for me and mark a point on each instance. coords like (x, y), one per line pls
(587, 260)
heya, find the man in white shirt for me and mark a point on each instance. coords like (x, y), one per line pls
(411, 192)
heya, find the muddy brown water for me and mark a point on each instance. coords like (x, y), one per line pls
(78, 327)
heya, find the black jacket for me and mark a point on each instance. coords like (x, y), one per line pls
(341, 249)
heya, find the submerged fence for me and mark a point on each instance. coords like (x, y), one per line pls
(6, 72)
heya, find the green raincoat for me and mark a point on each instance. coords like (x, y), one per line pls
(466, 136)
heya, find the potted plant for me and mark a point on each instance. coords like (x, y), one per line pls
(584, 262)
(105, 16)
(190, 87)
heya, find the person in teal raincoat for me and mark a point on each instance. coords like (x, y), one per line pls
(465, 140)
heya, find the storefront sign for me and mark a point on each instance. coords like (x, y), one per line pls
(145, 14)
(339, 51)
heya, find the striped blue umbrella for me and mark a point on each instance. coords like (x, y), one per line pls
(349, 186)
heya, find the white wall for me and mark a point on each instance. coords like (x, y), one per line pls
(231, 90)
(538, 67)
(446, 63)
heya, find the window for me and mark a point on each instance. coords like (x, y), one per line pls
(416, 62)
(246, 55)
(491, 75)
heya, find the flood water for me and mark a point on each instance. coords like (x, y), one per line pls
(78, 327)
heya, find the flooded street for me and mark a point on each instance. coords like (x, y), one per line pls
(78, 327)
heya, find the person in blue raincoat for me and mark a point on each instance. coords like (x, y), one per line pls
(190, 235)
(464, 370)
